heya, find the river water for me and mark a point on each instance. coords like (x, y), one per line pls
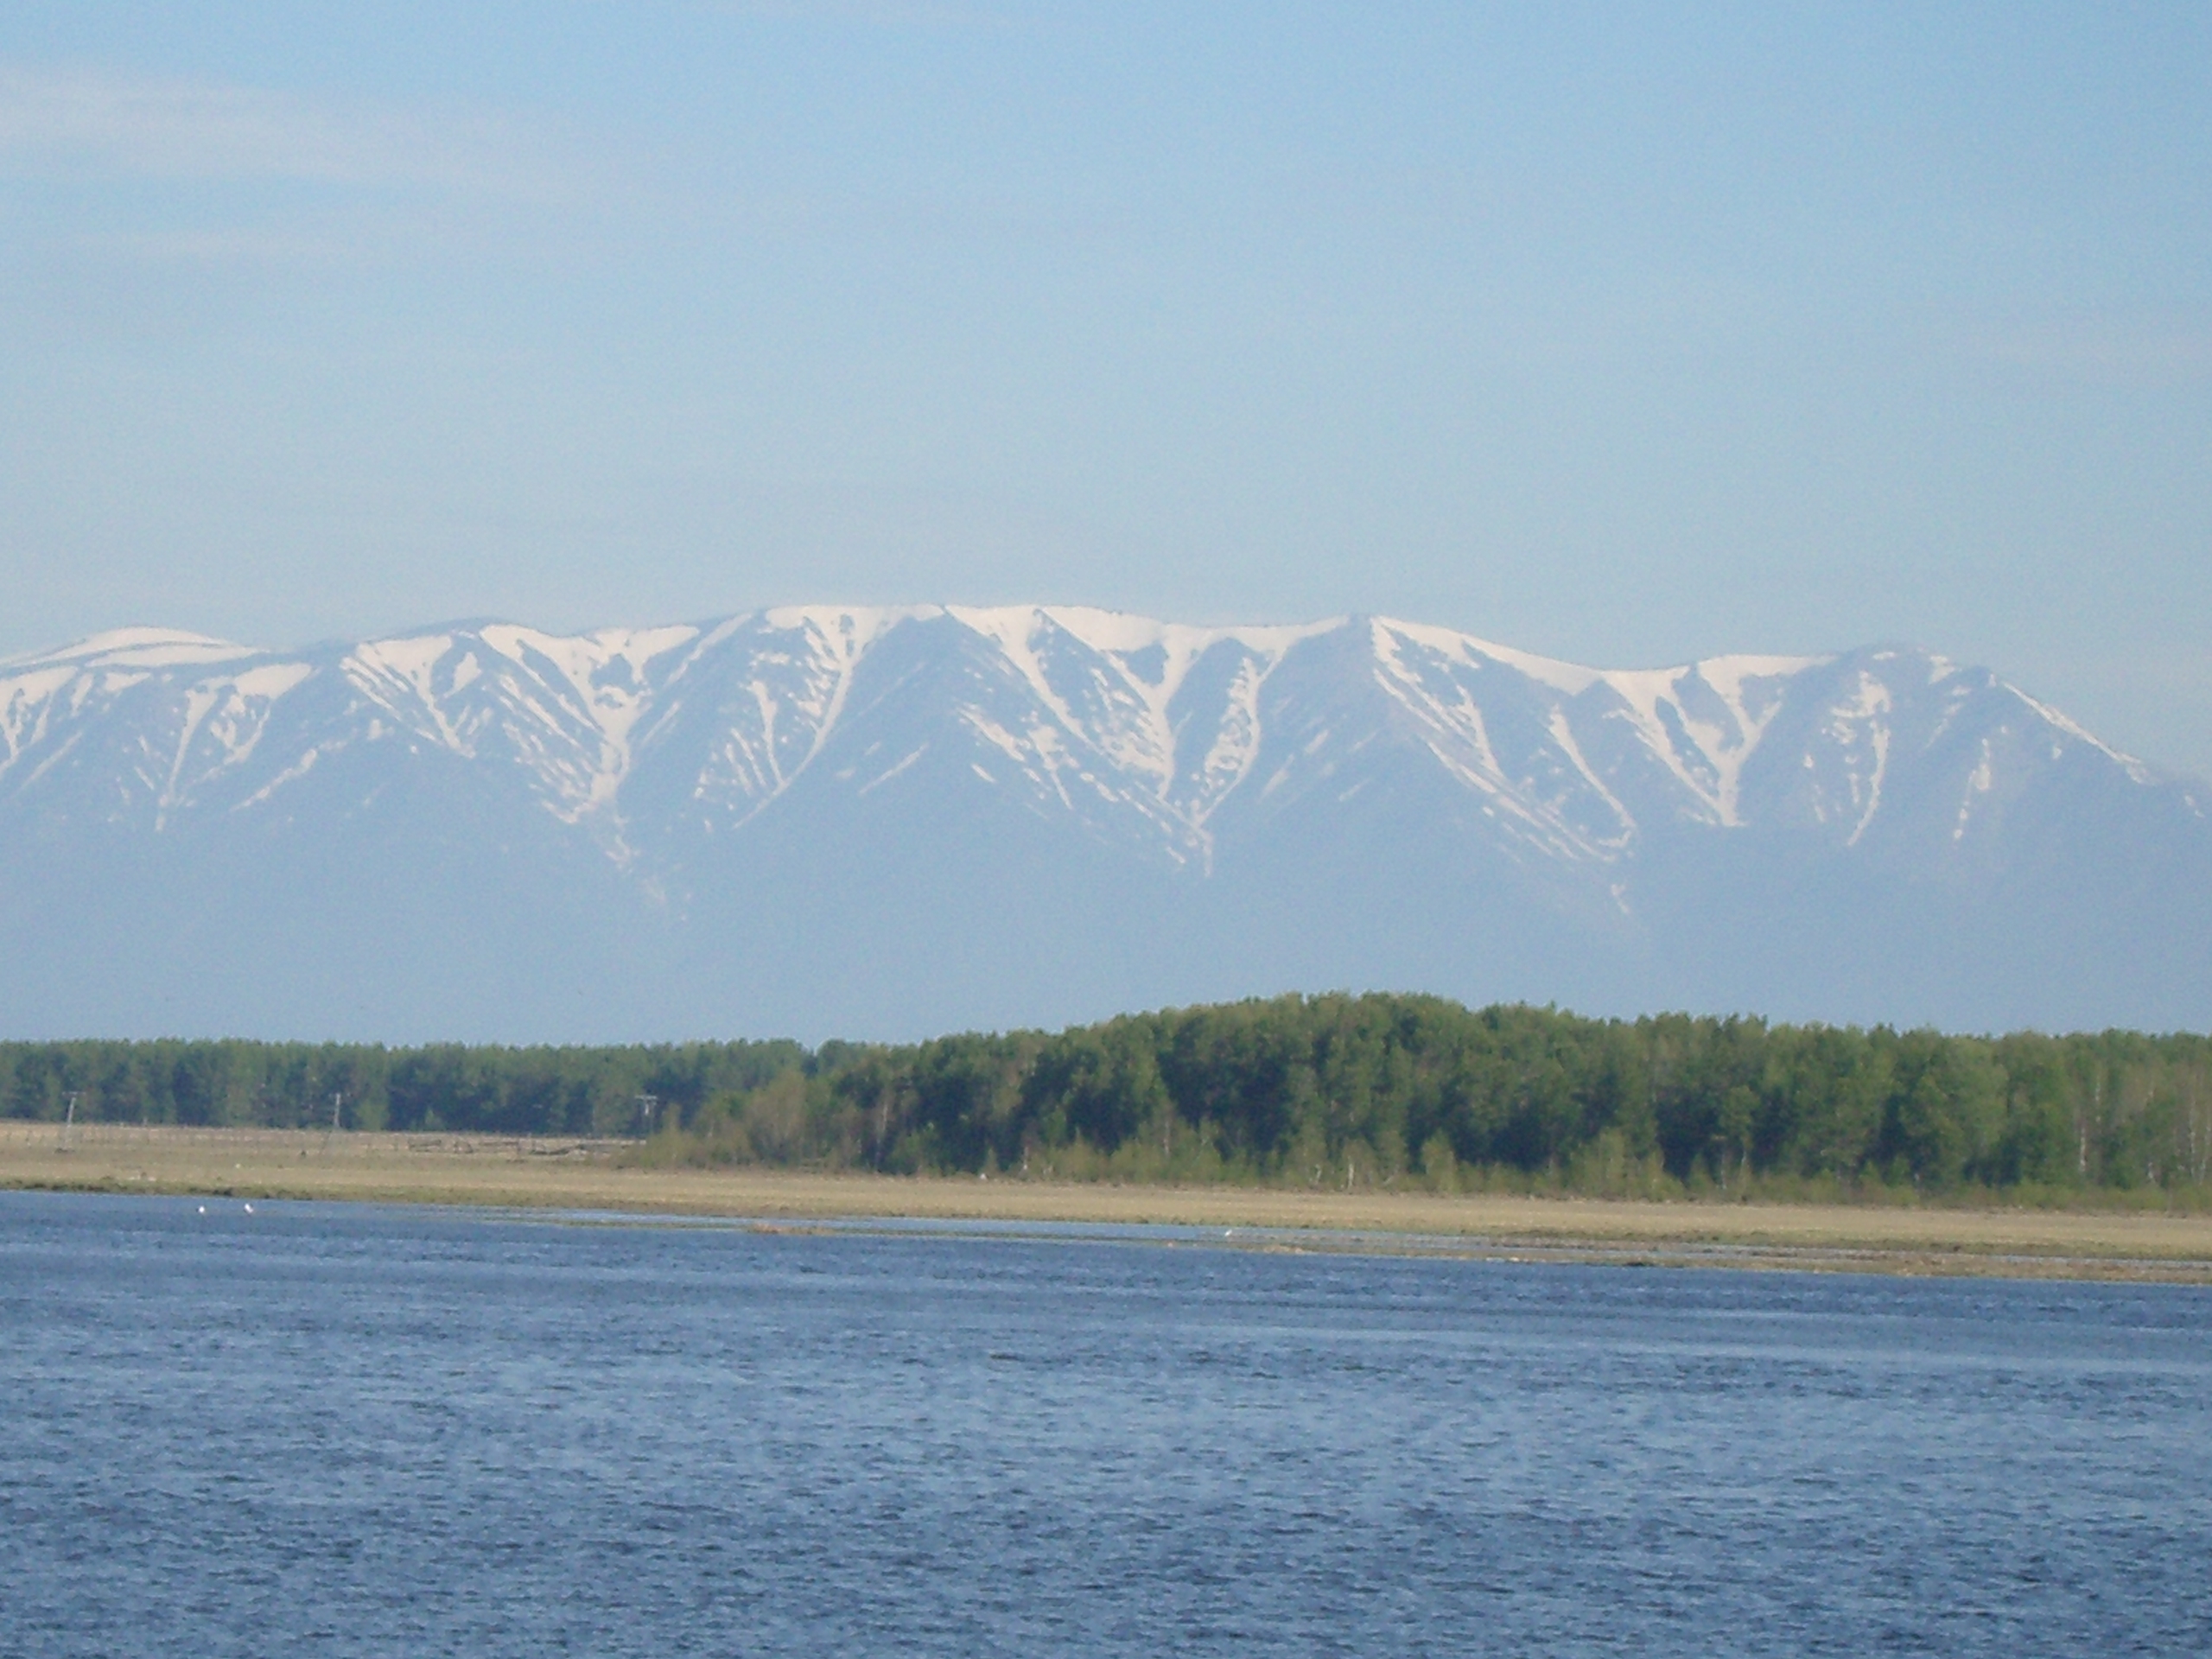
(347, 1429)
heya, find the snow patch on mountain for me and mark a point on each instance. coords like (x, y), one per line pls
(139, 648)
(799, 664)
(1978, 785)
(1700, 724)
(1570, 678)
(1860, 729)
(1117, 693)
(2050, 716)
(603, 683)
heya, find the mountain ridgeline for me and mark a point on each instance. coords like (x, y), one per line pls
(1338, 1090)
(890, 822)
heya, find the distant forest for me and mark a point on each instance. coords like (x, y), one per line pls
(1336, 1090)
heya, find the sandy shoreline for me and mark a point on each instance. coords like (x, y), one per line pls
(579, 1175)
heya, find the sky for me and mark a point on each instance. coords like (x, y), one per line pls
(1627, 334)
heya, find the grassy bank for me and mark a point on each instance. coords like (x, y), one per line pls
(584, 1174)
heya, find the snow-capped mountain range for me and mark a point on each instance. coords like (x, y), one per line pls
(890, 821)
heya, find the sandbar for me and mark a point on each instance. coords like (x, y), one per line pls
(591, 1177)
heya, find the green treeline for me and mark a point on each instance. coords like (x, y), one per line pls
(578, 1091)
(1333, 1091)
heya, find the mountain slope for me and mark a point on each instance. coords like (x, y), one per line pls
(891, 821)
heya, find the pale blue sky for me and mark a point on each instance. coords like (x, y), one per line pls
(1627, 335)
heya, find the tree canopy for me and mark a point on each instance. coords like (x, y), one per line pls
(1332, 1089)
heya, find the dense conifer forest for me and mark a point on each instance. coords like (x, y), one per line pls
(1338, 1089)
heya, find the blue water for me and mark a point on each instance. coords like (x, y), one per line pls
(348, 1430)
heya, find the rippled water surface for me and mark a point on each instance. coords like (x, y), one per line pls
(398, 1431)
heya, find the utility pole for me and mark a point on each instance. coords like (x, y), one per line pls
(69, 1121)
(648, 1110)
